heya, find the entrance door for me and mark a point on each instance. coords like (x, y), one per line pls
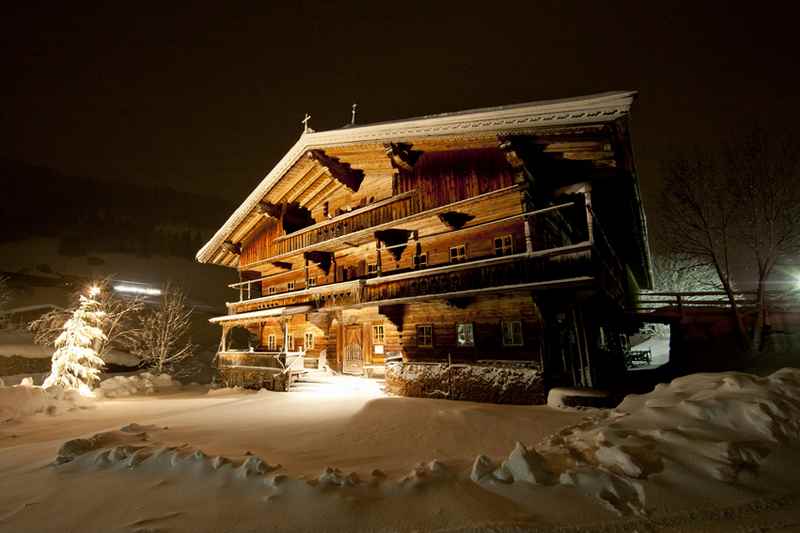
(353, 362)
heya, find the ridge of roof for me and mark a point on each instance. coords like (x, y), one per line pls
(601, 107)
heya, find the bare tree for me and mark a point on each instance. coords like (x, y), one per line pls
(745, 198)
(699, 215)
(764, 171)
(162, 339)
(119, 320)
(676, 273)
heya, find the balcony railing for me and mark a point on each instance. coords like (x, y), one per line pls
(569, 254)
(383, 212)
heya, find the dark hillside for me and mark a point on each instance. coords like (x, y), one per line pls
(90, 215)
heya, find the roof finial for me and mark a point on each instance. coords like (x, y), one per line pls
(304, 122)
(353, 118)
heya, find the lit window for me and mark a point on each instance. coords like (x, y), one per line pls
(464, 335)
(271, 343)
(421, 260)
(425, 335)
(272, 290)
(458, 253)
(372, 268)
(312, 282)
(512, 333)
(309, 341)
(290, 286)
(503, 245)
(377, 334)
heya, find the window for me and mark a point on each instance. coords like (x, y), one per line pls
(271, 343)
(272, 290)
(309, 341)
(464, 335)
(312, 281)
(372, 268)
(425, 335)
(512, 333)
(458, 254)
(421, 260)
(290, 286)
(503, 245)
(377, 334)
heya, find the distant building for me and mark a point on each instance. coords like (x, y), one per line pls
(504, 240)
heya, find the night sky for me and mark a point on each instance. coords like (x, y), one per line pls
(207, 99)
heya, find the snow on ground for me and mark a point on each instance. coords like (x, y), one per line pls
(659, 351)
(337, 454)
(23, 400)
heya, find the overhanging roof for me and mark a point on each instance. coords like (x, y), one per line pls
(597, 108)
(264, 313)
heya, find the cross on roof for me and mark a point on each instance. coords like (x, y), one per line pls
(304, 122)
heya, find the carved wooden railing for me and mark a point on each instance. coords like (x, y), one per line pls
(383, 212)
(523, 271)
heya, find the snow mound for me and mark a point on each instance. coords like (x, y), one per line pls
(144, 383)
(133, 446)
(25, 400)
(720, 427)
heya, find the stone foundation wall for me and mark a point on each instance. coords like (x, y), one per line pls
(493, 383)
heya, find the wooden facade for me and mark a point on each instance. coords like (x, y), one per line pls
(469, 238)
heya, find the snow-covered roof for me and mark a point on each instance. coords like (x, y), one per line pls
(264, 313)
(603, 107)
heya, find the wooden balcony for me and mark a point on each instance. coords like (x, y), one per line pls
(334, 231)
(575, 250)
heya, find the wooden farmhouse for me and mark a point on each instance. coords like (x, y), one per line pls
(485, 254)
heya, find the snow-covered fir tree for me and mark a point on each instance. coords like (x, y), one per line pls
(76, 364)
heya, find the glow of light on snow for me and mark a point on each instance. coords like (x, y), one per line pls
(85, 391)
(137, 290)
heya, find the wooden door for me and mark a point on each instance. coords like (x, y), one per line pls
(353, 362)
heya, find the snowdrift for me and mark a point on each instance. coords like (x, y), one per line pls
(144, 383)
(701, 431)
(25, 399)
(718, 427)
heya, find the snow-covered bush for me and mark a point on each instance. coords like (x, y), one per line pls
(499, 382)
(144, 383)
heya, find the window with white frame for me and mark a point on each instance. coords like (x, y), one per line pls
(309, 341)
(458, 254)
(503, 245)
(271, 343)
(372, 268)
(512, 333)
(425, 335)
(290, 286)
(465, 335)
(421, 260)
(312, 281)
(272, 290)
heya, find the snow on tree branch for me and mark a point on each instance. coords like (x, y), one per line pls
(162, 339)
(76, 364)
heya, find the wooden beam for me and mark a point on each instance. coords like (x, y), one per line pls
(325, 192)
(342, 172)
(322, 180)
(311, 178)
(402, 156)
